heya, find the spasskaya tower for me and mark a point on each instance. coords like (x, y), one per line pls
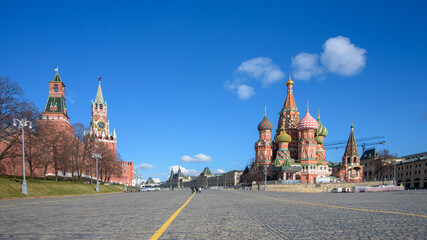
(99, 124)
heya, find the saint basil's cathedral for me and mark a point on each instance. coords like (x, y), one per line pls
(298, 152)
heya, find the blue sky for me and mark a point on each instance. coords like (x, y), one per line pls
(172, 72)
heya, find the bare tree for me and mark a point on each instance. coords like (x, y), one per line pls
(79, 150)
(65, 154)
(383, 165)
(12, 105)
(108, 164)
(49, 136)
(32, 145)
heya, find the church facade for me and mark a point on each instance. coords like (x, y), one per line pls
(297, 152)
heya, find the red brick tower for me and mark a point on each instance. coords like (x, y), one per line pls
(264, 147)
(100, 127)
(289, 119)
(55, 112)
(99, 124)
(307, 147)
(351, 170)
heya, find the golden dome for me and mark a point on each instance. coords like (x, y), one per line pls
(289, 81)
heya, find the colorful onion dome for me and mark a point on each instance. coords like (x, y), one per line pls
(283, 137)
(307, 122)
(319, 140)
(265, 124)
(321, 130)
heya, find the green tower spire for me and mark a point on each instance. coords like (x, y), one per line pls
(99, 98)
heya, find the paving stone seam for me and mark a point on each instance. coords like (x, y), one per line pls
(333, 206)
(272, 230)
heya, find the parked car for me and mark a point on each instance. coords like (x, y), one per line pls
(150, 188)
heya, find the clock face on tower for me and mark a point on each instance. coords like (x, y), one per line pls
(101, 125)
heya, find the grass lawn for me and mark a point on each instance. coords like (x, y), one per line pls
(11, 187)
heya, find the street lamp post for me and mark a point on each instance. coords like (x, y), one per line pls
(265, 176)
(96, 156)
(125, 165)
(394, 175)
(21, 124)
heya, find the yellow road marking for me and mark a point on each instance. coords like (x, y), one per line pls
(32, 203)
(8, 206)
(169, 221)
(333, 206)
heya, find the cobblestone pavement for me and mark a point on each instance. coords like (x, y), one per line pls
(216, 214)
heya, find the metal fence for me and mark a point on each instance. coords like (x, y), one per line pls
(282, 182)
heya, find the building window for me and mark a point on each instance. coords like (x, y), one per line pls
(55, 88)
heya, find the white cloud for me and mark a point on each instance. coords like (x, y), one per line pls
(306, 66)
(235, 164)
(261, 68)
(196, 158)
(245, 91)
(186, 172)
(145, 166)
(343, 57)
(339, 56)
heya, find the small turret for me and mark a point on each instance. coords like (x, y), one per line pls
(351, 155)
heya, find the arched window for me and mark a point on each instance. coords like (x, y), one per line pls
(355, 159)
(55, 88)
(348, 160)
(100, 106)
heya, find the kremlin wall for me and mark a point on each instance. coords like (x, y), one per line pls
(59, 134)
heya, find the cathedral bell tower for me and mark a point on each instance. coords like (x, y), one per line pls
(289, 119)
(351, 169)
(99, 125)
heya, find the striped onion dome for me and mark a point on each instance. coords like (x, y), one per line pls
(265, 124)
(307, 122)
(321, 130)
(283, 137)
